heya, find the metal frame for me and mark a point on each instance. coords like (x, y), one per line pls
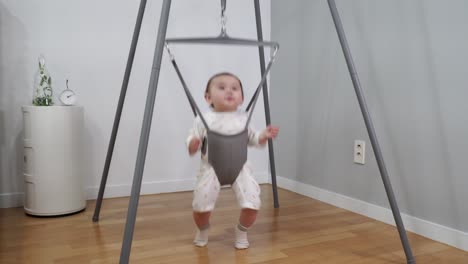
(149, 107)
(371, 131)
(118, 113)
(220, 40)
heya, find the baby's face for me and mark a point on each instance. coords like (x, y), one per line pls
(224, 94)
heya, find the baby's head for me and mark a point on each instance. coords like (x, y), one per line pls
(224, 92)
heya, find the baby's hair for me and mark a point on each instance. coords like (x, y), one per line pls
(223, 74)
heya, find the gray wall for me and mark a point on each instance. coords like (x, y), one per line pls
(410, 59)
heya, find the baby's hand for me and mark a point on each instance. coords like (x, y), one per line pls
(269, 132)
(194, 145)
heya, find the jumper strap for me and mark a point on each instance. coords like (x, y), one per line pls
(193, 104)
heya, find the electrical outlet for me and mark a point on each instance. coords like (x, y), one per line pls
(359, 151)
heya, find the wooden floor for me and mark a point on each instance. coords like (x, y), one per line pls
(302, 230)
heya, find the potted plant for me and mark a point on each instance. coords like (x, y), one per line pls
(42, 86)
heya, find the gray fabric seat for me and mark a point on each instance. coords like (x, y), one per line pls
(227, 154)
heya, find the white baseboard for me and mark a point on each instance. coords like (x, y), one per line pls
(146, 188)
(156, 187)
(263, 177)
(419, 226)
(8, 200)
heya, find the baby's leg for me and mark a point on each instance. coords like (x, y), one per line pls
(202, 220)
(204, 199)
(247, 217)
(246, 220)
(248, 195)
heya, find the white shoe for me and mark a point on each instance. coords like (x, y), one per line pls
(241, 239)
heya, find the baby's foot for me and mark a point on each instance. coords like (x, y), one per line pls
(241, 239)
(201, 238)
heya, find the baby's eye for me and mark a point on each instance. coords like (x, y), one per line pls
(221, 87)
(235, 88)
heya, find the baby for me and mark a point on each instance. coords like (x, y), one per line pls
(224, 93)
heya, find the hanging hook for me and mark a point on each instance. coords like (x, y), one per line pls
(223, 7)
(223, 18)
(169, 51)
(273, 57)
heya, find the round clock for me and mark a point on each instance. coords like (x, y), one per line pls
(68, 97)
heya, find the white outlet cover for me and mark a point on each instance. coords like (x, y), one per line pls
(359, 152)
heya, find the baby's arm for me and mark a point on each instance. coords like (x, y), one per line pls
(194, 145)
(196, 134)
(269, 132)
(261, 138)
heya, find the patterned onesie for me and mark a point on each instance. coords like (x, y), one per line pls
(207, 187)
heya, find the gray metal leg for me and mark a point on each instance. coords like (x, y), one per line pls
(266, 101)
(144, 136)
(118, 113)
(371, 131)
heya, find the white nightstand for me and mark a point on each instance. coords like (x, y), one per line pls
(53, 158)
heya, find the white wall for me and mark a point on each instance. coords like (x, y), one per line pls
(88, 42)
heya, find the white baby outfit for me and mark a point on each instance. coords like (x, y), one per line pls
(207, 187)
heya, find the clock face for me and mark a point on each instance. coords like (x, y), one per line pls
(68, 97)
